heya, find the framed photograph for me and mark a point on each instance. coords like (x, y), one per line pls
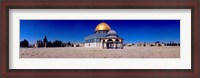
(144, 39)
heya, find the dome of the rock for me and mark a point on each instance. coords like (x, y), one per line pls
(103, 26)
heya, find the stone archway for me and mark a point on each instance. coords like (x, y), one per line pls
(109, 44)
(112, 43)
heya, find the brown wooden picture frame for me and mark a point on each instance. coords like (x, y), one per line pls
(99, 4)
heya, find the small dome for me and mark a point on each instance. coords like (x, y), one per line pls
(112, 32)
(102, 26)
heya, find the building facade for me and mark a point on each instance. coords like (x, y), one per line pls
(104, 37)
(40, 43)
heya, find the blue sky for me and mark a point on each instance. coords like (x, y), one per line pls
(132, 31)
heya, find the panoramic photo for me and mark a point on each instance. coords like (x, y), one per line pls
(99, 39)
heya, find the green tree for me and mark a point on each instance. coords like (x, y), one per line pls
(49, 44)
(45, 39)
(24, 43)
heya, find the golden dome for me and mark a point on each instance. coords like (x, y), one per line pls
(102, 26)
